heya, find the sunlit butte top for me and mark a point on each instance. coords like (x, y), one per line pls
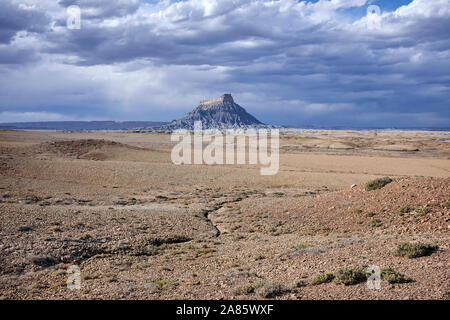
(223, 98)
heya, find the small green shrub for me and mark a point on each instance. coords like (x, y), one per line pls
(392, 276)
(259, 257)
(423, 212)
(375, 223)
(301, 246)
(270, 290)
(324, 228)
(90, 276)
(351, 276)
(357, 211)
(414, 250)
(370, 214)
(298, 284)
(405, 209)
(247, 289)
(322, 278)
(378, 183)
(165, 284)
(446, 204)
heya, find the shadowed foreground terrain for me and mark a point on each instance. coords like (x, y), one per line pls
(140, 227)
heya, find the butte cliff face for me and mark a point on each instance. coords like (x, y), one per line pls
(219, 113)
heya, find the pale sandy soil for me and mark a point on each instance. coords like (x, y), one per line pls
(140, 227)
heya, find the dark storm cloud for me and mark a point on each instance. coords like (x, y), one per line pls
(185, 35)
(15, 18)
(299, 57)
(111, 45)
(10, 55)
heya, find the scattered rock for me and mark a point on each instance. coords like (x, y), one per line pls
(43, 260)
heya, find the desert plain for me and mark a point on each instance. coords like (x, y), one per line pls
(140, 227)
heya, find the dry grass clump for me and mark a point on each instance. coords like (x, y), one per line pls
(301, 246)
(378, 183)
(392, 276)
(446, 205)
(90, 276)
(351, 276)
(322, 278)
(164, 284)
(298, 283)
(247, 289)
(405, 209)
(414, 250)
(265, 290)
(423, 212)
(271, 290)
(375, 223)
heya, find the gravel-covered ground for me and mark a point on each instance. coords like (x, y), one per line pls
(139, 227)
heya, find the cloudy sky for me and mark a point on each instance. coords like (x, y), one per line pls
(325, 63)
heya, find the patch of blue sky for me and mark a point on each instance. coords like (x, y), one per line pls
(357, 12)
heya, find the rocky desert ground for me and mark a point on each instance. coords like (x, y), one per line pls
(140, 227)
